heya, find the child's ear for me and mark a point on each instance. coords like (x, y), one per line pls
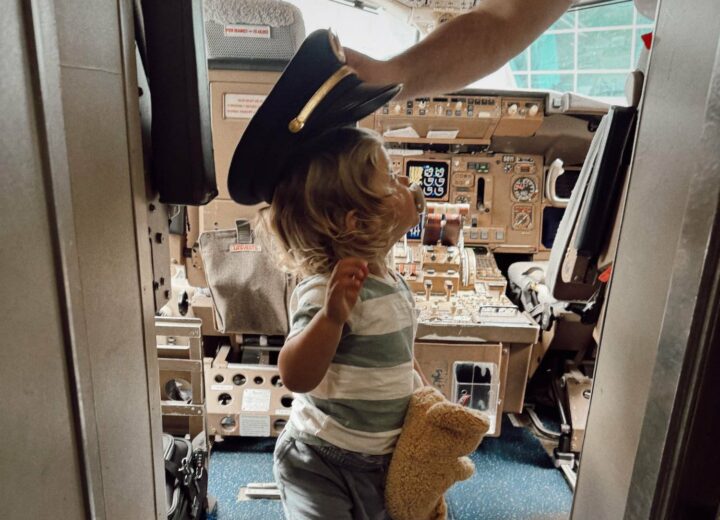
(351, 220)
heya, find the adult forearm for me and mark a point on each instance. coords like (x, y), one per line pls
(305, 358)
(473, 45)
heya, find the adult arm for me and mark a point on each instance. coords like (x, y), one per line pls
(463, 49)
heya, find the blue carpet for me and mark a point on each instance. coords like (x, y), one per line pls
(514, 480)
(233, 464)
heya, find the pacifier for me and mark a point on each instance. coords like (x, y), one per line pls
(418, 196)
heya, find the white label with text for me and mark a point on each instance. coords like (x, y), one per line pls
(241, 106)
(256, 401)
(254, 425)
(247, 31)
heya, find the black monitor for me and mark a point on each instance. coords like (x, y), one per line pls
(432, 175)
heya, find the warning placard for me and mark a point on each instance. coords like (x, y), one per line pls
(254, 425)
(256, 401)
(247, 31)
(241, 106)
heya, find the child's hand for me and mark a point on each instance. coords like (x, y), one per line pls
(343, 289)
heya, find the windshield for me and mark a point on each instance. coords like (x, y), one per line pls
(590, 51)
(373, 32)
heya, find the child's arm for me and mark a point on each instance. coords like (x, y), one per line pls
(305, 358)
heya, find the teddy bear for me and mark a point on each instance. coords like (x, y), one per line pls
(430, 455)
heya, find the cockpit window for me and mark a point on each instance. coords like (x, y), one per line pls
(372, 31)
(589, 51)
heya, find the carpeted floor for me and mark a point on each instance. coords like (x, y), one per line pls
(514, 480)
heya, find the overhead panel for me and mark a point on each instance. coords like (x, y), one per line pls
(441, 5)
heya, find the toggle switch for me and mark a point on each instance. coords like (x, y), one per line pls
(448, 289)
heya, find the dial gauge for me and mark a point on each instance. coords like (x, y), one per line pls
(524, 189)
(522, 218)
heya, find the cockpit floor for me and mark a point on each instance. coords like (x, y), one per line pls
(514, 479)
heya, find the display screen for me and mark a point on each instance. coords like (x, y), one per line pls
(415, 232)
(432, 176)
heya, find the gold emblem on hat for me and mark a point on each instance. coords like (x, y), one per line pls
(298, 123)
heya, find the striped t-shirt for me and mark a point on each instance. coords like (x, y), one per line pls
(361, 402)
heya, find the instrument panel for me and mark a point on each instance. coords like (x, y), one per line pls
(466, 119)
(502, 192)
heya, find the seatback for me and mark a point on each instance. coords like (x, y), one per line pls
(587, 223)
(257, 34)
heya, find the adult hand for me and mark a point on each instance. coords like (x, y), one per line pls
(343, 289)
(370, 70)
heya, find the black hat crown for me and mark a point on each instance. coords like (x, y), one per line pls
(317, 92)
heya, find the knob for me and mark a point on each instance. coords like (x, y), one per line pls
(533, 110)
(512, 109)
(397, 109)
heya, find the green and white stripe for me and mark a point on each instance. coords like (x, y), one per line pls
(361, 402)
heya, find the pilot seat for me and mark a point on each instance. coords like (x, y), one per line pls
(565, 294)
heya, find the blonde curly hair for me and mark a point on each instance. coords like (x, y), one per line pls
(327, 181)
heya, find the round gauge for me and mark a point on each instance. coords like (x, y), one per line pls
(522, 218)
(524, 189)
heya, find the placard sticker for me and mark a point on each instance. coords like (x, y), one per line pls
(282, 411)
(246, 31)
(221, 388)
(256, 401)
(254, 425)
(245, 248)
(241, 106)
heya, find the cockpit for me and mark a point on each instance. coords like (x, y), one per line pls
(507, 268)
(536, 301)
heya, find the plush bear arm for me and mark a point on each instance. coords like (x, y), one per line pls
(466, 468)
(456, 418)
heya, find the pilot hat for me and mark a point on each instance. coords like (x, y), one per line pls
(316, 93)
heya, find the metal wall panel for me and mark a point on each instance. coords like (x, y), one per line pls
(80, 414)
(40, 468)
(684, 349)
(668, 143)
(102, 157)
